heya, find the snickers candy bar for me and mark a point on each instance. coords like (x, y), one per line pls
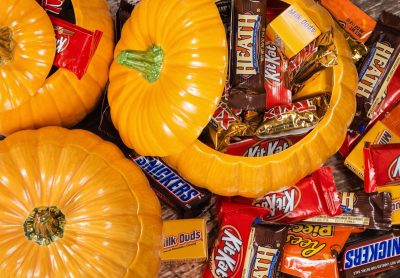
(264, 250)
(247, 54)
(295, 119)
(372, 255)
(360, 209)
(171, 188)
(382, 165)
(228, 255)
(312, 196)
(377, 69)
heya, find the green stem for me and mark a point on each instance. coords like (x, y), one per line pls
(147, 62)
(45, 225)
(7, 45)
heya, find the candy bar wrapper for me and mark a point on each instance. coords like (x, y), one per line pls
(319, 54)
(381, 134)
(312, 250)
(360, 209)
(171, 188)
(319, 83)
(377, 69)
(351, 18)
(59, 8)
(184, 240)
(382, 166)
(75, 46)
(247, 54)
(311, 196)
(254, 147)
(394, 190)
(295, 119)
(358, 50)
(227, 123)
(391, 98)
(229, 252)
(276, 77)
(264, 250)
(371, 255)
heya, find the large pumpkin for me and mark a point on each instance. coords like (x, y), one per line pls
(168, 75)
(231, 175)
(27, 98)
(72, 205)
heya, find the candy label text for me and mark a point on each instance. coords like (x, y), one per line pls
(246, 50)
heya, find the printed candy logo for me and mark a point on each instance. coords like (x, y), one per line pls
(274, 64)
(62, 38)
(224, 116)
(394, 169)
(182, 239)
(280, 203)
(300, 106)
(53, 6)
(248, 34)
(264, 261)
(268, 147)
(347, 201)
(228, 254)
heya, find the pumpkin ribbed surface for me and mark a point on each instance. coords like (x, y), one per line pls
(254, 176)
(180, 46)
(62, 99)
(112, 218)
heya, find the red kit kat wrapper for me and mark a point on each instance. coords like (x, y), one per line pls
(382, 166)
(312, 196)
(228, 256)
(75, 46)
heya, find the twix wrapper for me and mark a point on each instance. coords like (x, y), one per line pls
(228, 255)
(311, 196)
(298, 118)
(377, 69)
(382, 165)
(247, 54)
(75, 46)
(360, 209)
(312, 250)
(351, 18)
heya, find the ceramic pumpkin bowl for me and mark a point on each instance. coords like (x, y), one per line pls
(28, 97)
(232, 175)
(72, 204)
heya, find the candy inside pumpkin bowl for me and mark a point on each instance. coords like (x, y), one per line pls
(231, 175)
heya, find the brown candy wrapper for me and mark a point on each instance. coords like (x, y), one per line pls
(318, 55)
(295, 119)
(377, 69)
(360, 209)
(264, 250)
(247, 53)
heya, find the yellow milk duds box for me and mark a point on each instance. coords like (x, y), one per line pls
(184, 239)
(379, 134)
(292, 30)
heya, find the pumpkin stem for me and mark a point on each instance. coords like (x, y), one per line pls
(148, 62)
(45, 225)
(7, 45)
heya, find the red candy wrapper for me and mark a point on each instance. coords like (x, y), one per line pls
(254, 147)
(312, 196)
(75, 46)
(276, 76)
(228, 256)
(382, 166)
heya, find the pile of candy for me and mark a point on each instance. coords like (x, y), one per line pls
(308, 229)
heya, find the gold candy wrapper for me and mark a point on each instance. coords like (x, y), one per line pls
(320, 54)
(295, 119)
(358, 50)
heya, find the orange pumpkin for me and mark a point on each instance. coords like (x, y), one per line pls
(168, 75)
(72, 205)
(252, 177)
(30, 99)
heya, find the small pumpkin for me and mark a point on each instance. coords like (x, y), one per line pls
(251, 177)
(72, 204)
(28, 97)
(169, 74)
